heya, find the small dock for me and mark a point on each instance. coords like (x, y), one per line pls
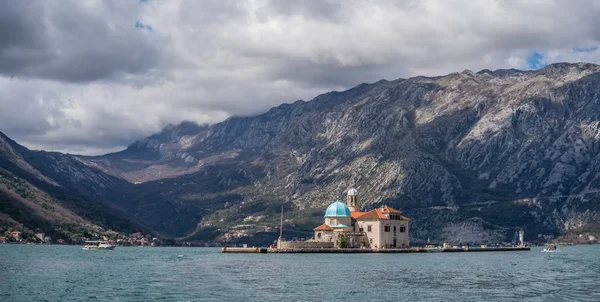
(256, 250)
(244, 250)
(486, 249)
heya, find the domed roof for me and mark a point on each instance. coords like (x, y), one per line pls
(337, 209)
(352, 192)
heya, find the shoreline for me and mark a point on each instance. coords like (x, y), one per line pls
(263, 250)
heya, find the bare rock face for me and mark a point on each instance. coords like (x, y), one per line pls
(507, 148)
(468, 156)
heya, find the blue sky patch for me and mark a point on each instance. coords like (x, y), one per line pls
(585, 49)
(139, 24)
(536, 61)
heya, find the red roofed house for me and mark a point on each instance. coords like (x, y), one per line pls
(384, 227)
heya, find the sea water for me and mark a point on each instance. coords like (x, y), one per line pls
(68, 273)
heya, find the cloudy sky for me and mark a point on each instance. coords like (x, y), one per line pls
(91, 77)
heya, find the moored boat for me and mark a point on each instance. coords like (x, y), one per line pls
(550, 248)
(98, 245)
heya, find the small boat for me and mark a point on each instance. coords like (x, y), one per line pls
(550, 248)
(98, 245)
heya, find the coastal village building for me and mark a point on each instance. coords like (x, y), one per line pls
(16, 235)
(40, 236)
(347, 227)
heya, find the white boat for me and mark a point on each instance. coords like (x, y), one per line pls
(98, 245)
(550, 248)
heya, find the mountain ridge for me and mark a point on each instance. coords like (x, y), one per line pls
(419, 110)
(55, 194)
(470, 157)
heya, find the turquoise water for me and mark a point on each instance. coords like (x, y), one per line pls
(67, 273)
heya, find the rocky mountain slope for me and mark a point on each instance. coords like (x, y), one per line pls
(470, 157)
(57, 195)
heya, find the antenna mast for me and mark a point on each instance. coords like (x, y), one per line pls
(279, 241)
(281, 225)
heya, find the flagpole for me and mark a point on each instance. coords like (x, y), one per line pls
(280, 229)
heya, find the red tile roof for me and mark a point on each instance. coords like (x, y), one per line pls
(357, 214)
(380, 213)
(323, 227)
(389, 210)
(374, 214)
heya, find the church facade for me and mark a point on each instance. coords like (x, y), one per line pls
(346, 226)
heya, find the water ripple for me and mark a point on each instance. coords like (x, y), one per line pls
(67, 273)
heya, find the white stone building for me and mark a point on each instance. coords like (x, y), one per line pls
(346, 226)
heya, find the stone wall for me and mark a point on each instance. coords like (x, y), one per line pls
(378, 238)
(305, 245)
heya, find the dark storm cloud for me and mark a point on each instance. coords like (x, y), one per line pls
(18, 26)
(67, 41)
(92, 76)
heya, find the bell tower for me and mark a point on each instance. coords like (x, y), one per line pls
(521, 238)
(352, 200)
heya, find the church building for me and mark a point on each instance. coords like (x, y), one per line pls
(346, 226)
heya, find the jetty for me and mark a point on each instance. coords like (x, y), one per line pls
(264, 250)
(348, 230)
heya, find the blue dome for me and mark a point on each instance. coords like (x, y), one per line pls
(337, 209)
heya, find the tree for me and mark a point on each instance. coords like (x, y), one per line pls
(341, 241)
(364, 243)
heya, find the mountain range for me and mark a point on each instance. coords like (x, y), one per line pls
(469, 157)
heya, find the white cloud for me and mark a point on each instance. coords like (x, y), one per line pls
(81, 77)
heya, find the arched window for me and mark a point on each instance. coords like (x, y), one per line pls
(319, 235)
